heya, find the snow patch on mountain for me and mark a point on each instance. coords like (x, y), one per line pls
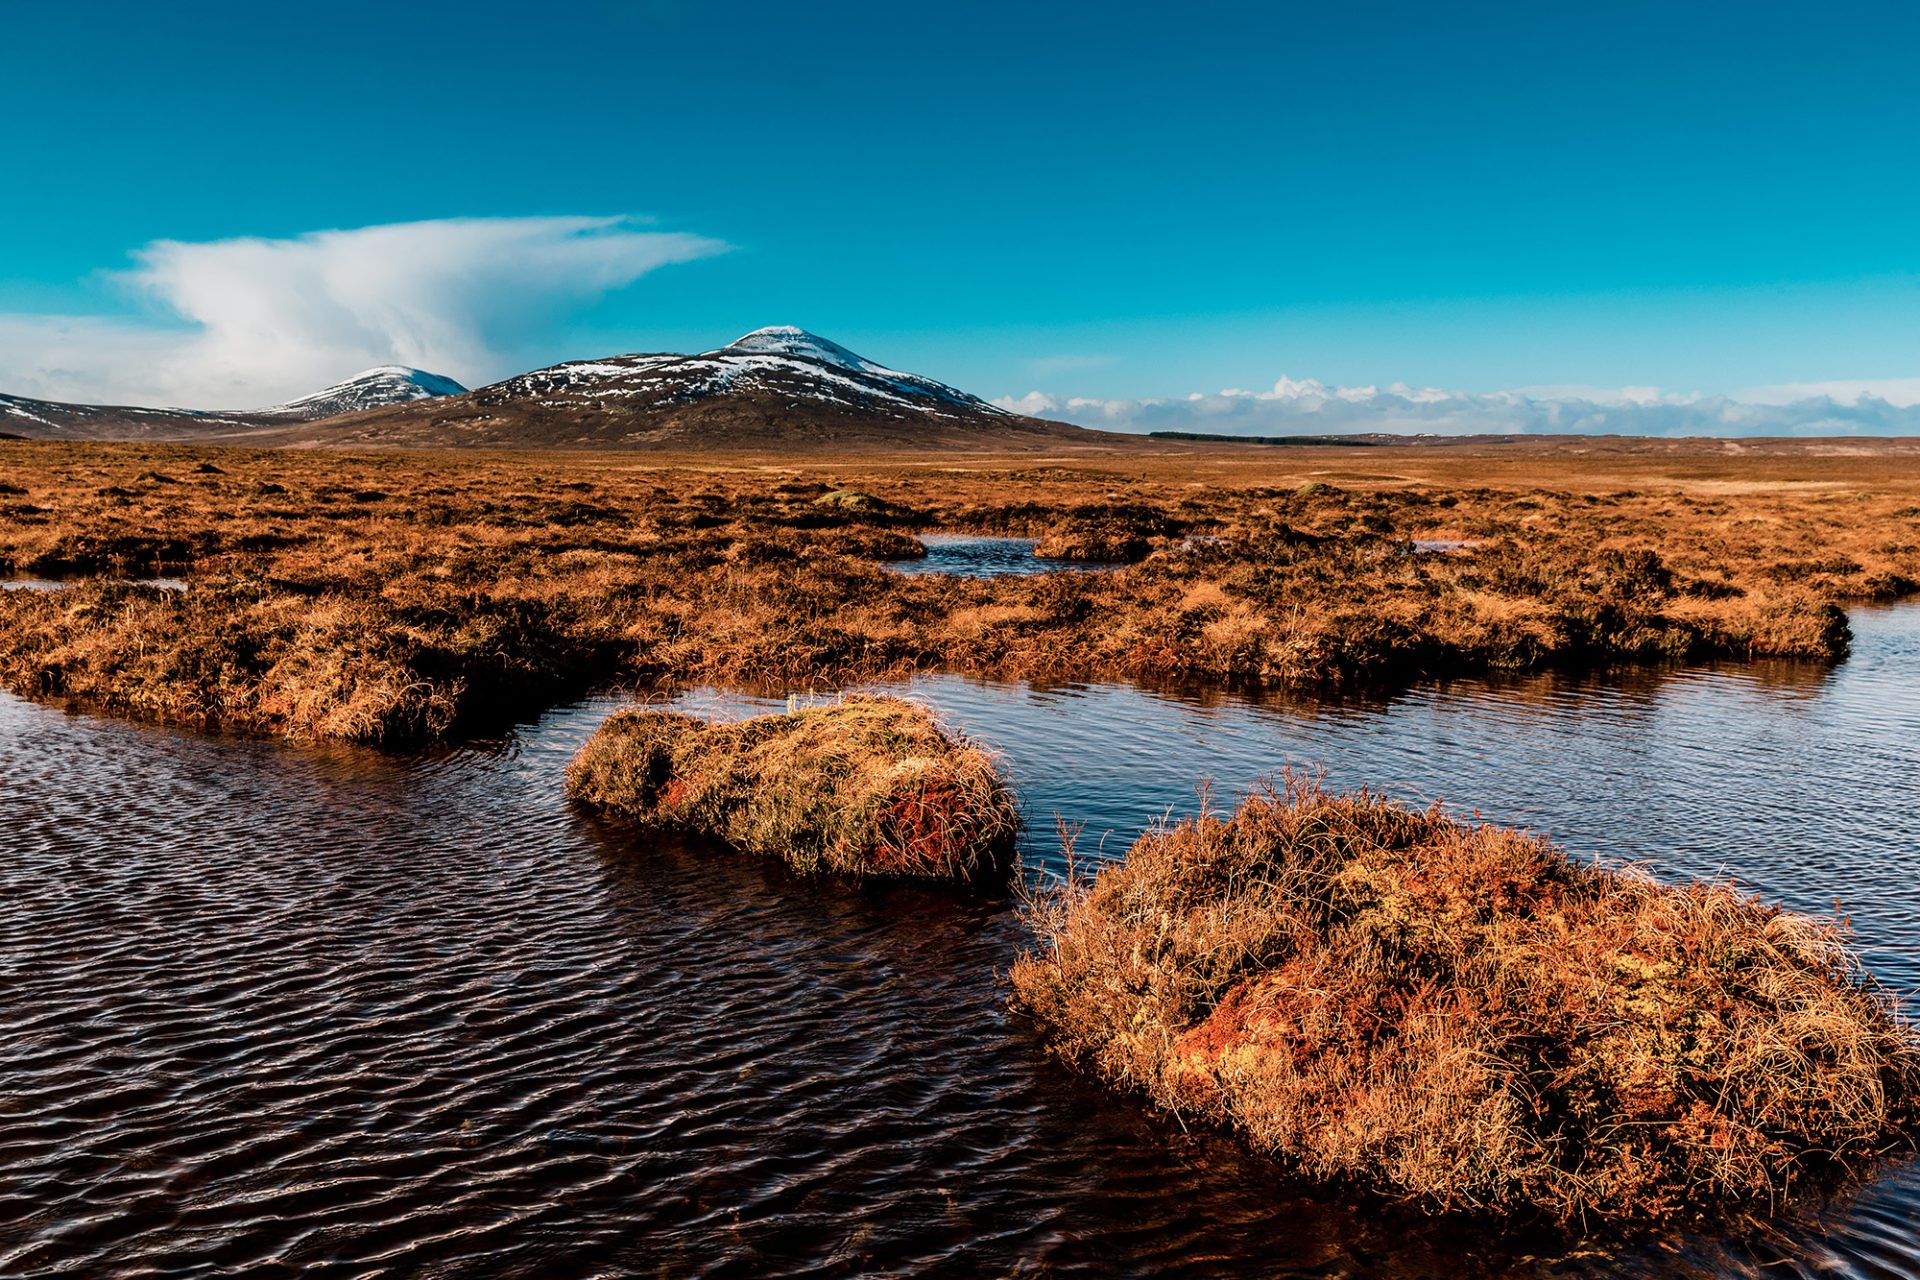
(779, 361)
(17, 410)
(374, 389)
(787, 340)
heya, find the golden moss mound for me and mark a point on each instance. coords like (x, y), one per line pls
(865, 786)
(1461, 1016)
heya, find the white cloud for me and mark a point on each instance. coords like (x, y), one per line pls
(1308, 407)
(1607, 395)
(1901, 392)
(248, 322)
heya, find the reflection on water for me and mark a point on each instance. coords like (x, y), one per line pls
(273, 1010)
(969, 555)
(1796, 778)
(61, 584)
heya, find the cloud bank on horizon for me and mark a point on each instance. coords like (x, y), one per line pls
(248, 322)
(1307, 407)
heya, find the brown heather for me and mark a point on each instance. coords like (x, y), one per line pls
(865, 786)
(392, 598)
(1461, 1016)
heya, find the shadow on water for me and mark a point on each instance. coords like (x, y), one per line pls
(336, 1012)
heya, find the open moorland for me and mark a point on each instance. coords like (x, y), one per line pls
(403, 597)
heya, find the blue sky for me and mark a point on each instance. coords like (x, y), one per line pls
(1109, 201)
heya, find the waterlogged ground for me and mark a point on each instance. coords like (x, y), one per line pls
(272, 1010)
(976, 556)
(55, 584)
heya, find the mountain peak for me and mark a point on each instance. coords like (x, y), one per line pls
(372, 389)
(790, 340)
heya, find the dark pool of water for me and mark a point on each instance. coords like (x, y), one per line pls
(271, 1010)
(970, 555)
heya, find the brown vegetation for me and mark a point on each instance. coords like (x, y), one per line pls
(1461, 1016)
(864, 786)
(392, 597)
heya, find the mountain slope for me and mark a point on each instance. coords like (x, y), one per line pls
(376, 388)
(53, 420)
(776, 388)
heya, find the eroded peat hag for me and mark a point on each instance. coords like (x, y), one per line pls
(1460, 1015)
(864, 786)
(390, 598)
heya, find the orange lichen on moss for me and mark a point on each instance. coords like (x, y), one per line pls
(1462, 1016)
(868, 786)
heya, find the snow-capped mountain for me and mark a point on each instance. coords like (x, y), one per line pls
(374, 389)
(775, 388)
(780, 361)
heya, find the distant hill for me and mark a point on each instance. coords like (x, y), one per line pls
(376, 388)
(775, 388)
(387, 385)
(52, 420)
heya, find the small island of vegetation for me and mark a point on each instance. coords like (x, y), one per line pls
(1462, 1016)
(863, 786)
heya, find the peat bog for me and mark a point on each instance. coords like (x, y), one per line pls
(435, 1018)
(396, 599)
(400, 600)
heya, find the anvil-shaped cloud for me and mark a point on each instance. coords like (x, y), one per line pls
(248, 322)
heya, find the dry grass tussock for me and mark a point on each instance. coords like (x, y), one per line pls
(1461, 1016)
(394, 598)
(865, 786)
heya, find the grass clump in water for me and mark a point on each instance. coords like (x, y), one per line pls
(868, 786)
(1462, 1016)
(1094, 544)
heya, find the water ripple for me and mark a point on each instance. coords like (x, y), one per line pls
(336, 1013)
